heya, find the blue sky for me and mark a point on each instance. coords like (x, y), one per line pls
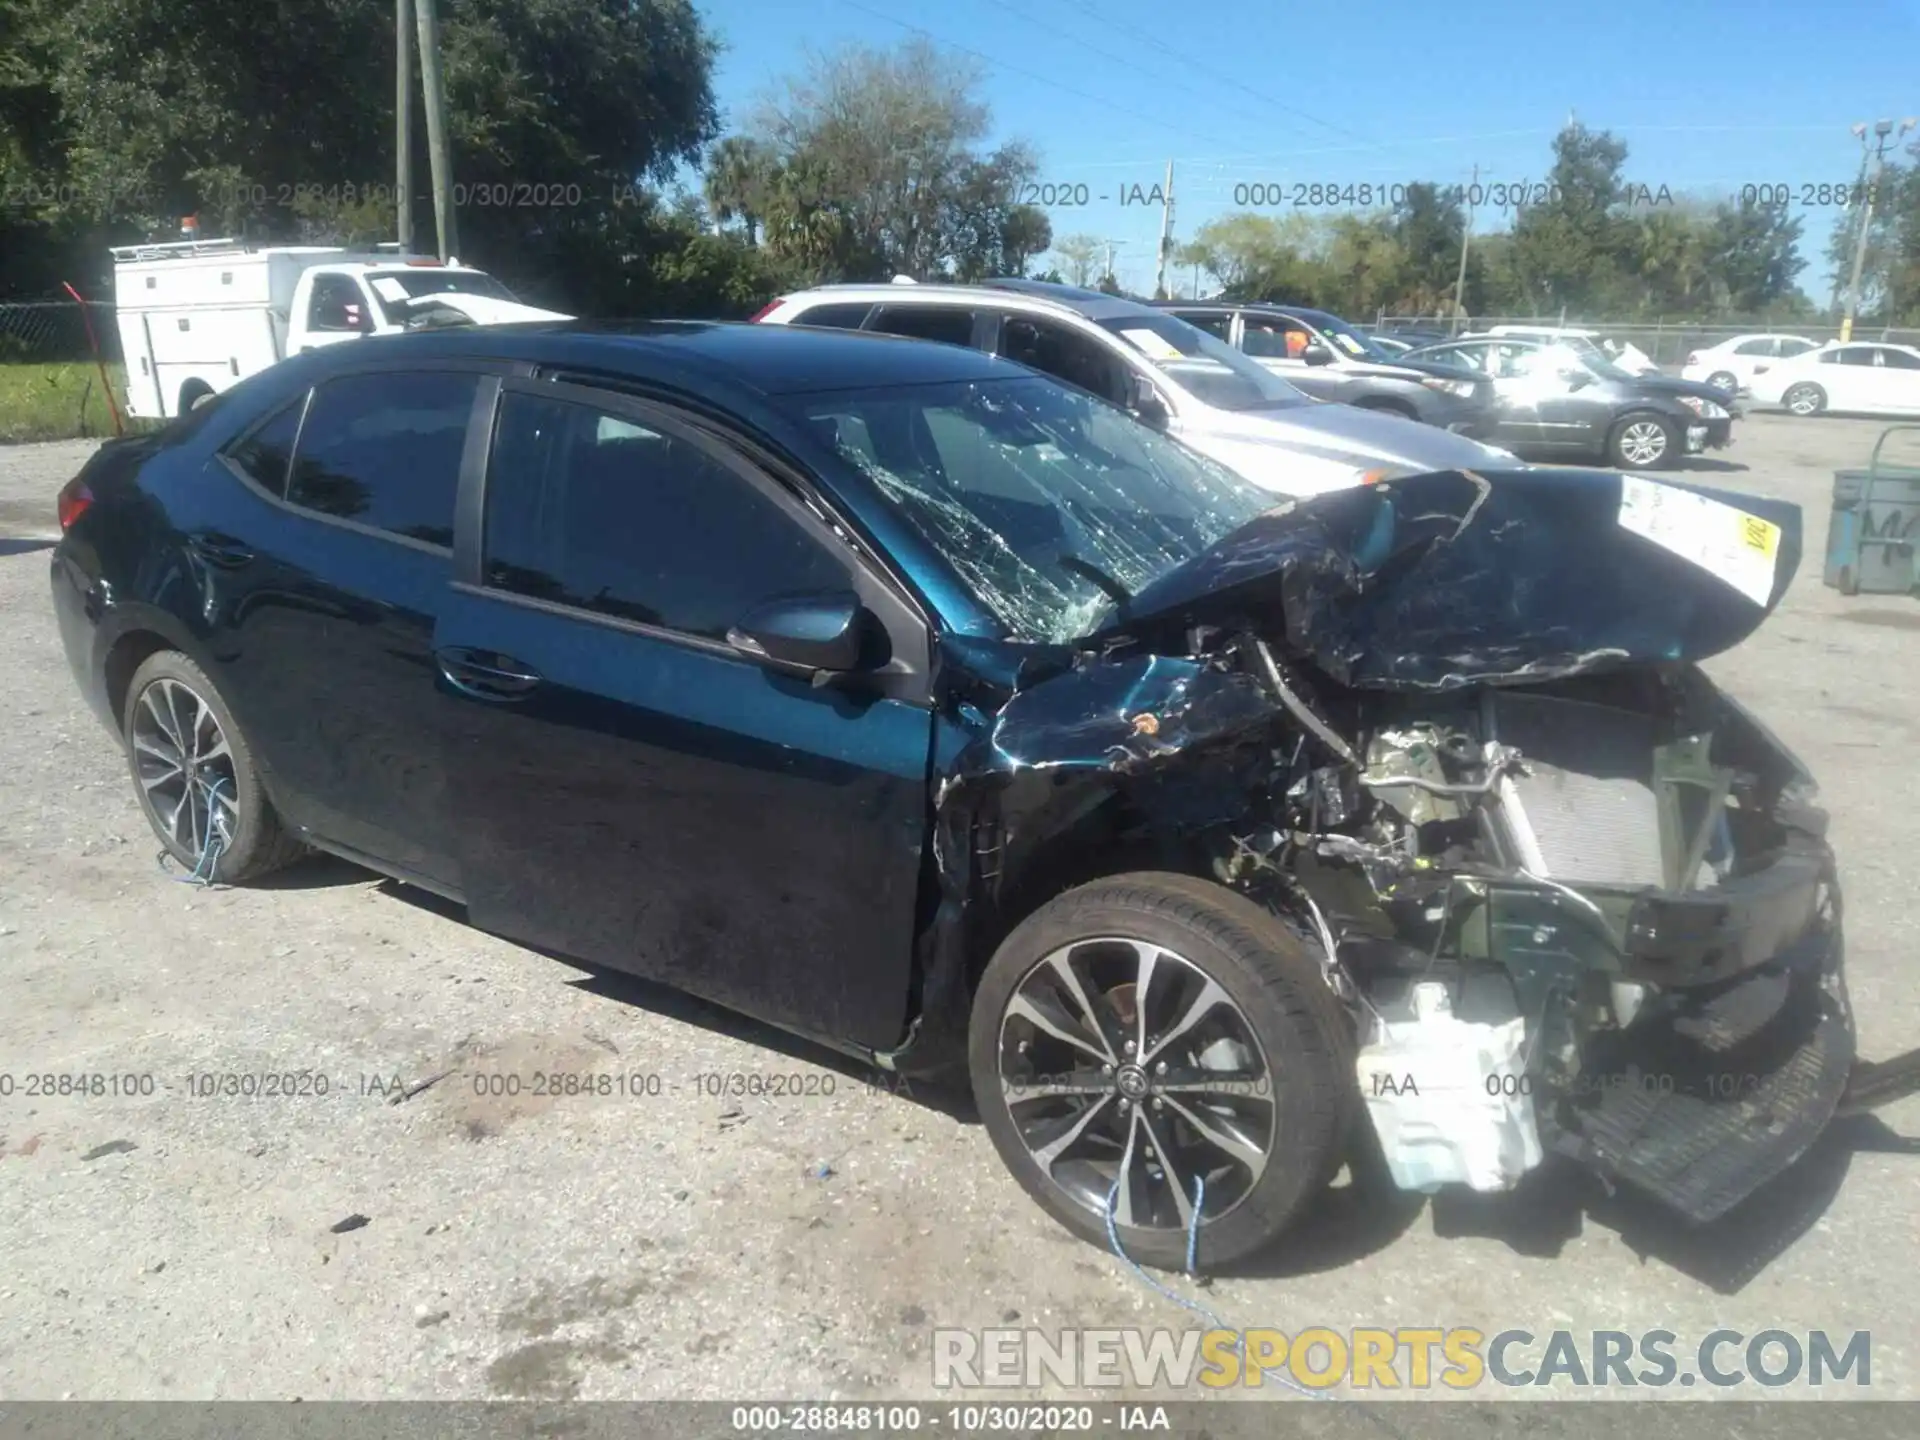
(1709, 96)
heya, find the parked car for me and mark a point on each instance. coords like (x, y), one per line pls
(1557, 401)
(1623, 354)
(1855, 379)
(1732, 364)
(1328, 359)
(198, 316)
(941, 712)
(1393, 345)
(1193, 385)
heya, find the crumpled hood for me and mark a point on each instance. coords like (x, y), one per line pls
(485, 309)
(1460, 578)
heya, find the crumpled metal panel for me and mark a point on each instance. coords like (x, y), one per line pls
(1442, 581)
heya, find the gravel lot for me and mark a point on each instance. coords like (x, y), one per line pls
(688, 1245)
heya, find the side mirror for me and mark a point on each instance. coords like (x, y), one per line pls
(1145, 403)
(824, 633)
(1317, 354)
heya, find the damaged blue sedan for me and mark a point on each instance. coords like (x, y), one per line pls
(917, 703)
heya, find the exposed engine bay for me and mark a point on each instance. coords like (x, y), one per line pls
(1591, 918)
(1574, 899)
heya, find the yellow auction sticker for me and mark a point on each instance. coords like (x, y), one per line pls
(1761, 535)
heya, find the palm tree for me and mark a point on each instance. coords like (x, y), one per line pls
(738, 171)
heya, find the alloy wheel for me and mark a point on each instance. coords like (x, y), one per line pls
(1804, 401)
(185, 767)
(1131, 1075)
(1643, 442)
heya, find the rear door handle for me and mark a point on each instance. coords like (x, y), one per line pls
(486, 676)
(218, 549)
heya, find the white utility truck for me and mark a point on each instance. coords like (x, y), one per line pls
(199, 316)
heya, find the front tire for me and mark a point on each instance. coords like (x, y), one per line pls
(195, 776)
(1642, 442)
(1149, 1031)
(1804, 400)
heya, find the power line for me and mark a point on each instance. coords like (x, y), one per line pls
(1046, 80)
(1160, 47)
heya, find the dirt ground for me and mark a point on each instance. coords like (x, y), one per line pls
(669, 1241)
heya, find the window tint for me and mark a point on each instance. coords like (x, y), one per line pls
(268, 451)
(1855, 355)
(1219, 325)
(837, 317)
(589, 509)
(337, 304)
(384, 450)
(926, 322)
(1795, 346)
(1900, 360)
(1057, 351)
(1754, 347)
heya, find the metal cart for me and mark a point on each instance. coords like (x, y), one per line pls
(1875, 526)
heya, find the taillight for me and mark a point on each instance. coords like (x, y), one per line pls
(75, 500)
(765, 310)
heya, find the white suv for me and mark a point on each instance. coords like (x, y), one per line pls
(1168, 373)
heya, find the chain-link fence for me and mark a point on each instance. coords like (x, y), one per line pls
(1666, 343)
(50, 385)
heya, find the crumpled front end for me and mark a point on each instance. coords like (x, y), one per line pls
(1450, 729)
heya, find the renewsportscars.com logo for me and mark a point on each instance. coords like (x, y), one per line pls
(1404, 1358)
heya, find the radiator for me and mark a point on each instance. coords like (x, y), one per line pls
(1586, 811)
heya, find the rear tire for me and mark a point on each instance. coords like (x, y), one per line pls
(1643, 442)
(1724, 380)
(1804, 400)
(1244, 1043)
(194, 774)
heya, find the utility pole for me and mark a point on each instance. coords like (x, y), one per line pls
(1466, 237)
(436, 97)
(1884, 135)
(1859, 192)
(403, 123)
(1166, 238)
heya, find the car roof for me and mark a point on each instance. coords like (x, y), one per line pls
(1298, 312)
(769, 359)
(1037, 294)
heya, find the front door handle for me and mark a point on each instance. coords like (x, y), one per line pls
(218, 549)
(486, 676)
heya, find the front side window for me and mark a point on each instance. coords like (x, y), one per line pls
(1754, 347)
(1204, 365)
(337, 304)
(384, 450)
(1023, 485)
(1220, 326)
(590, 509)
(1066, 355)
(1275, 337)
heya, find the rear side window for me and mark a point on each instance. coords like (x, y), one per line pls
(1754, 347)
(926, 322)
(835, 317)
(1899, 360)
(384, 450)
(590, 509)
(266, 454)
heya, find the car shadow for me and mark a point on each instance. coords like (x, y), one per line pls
(320, 871)
(10, 546)
(1711, 466)
(1727, 1254)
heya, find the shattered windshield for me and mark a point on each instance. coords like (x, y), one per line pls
(1050, 504)
(1204, 364)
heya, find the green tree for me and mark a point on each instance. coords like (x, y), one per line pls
(1754, 252)
(878, 169)
(1081, 255)
(1569, 249)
